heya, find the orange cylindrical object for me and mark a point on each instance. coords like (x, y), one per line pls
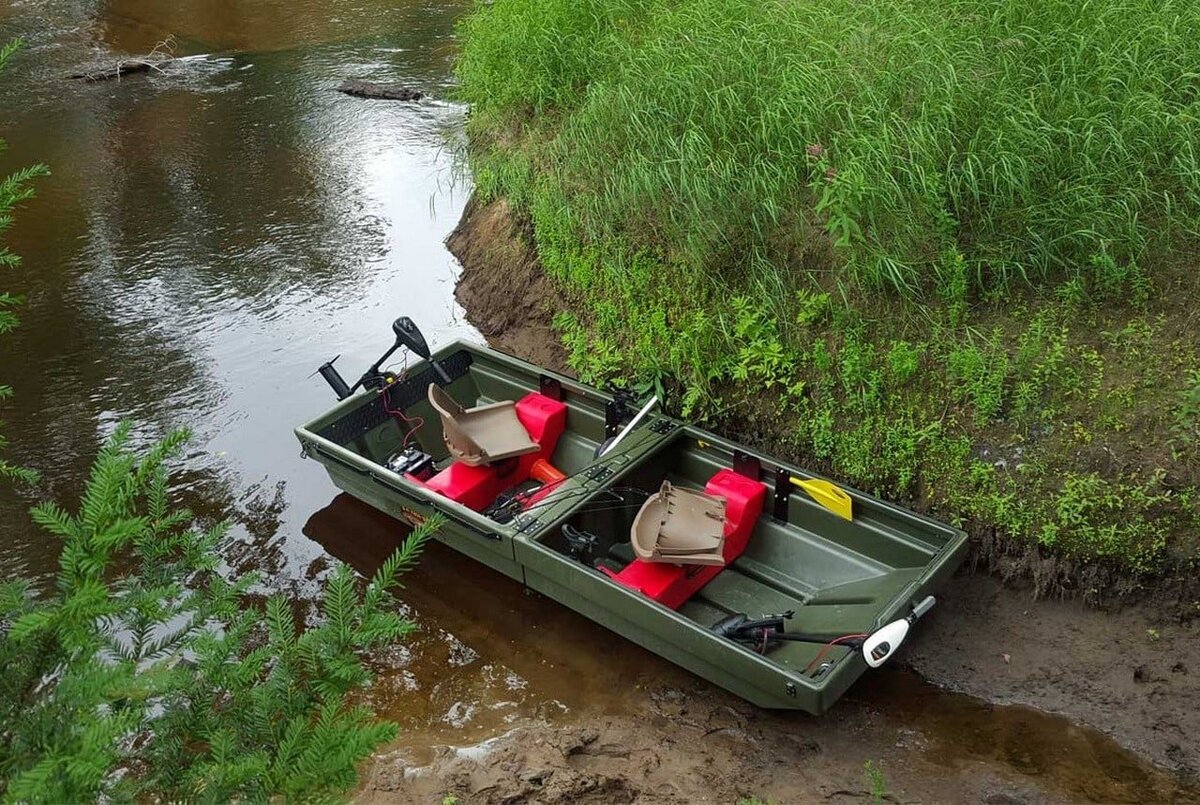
(542, 470)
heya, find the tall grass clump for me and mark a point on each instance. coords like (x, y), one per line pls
(1028, 141)
(892, 240)
(526, 58)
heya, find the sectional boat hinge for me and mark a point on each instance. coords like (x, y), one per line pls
(783, 492)
(528, 525)
(550, 387)
(598, 474)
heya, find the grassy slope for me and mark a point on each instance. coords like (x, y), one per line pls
(943, 249)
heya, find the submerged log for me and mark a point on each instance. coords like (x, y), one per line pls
(385, 92)
(121, 68)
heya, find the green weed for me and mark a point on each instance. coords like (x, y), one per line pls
(903, 362)
(1030, 141)
(1185, 417)
(876, 783)
(978, 375)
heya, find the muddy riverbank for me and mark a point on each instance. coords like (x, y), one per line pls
(1129, 674)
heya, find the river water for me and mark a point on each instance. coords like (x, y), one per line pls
(213, 233)
(210, 235)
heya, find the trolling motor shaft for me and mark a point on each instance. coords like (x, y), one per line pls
(334, 378)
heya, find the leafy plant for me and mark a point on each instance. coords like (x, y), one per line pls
(979, 375)
(1185, 416)
(876, 783)
(147, 675)
(903, 361)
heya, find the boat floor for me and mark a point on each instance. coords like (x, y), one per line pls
(749, 587)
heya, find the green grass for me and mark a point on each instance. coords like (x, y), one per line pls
(938, 250)
(1036, 139)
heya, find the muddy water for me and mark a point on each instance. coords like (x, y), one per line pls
(957, 733)
(209, 236)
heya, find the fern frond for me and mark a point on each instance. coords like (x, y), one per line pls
(55, 519)
(281, 626)
(31, 623)
(401, 561)
(340, 601)
(8, 49)
(15, 473)
(16, 597)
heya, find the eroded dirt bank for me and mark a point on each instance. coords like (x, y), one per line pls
(502, 287)
(1129, 674)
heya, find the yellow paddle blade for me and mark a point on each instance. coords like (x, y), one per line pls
(828, 495)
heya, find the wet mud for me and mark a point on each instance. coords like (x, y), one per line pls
(506, 696)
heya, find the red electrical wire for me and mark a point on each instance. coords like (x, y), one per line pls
(826, 648)
(419, 421)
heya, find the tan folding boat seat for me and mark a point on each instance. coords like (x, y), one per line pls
(681, 527)
(481, 435)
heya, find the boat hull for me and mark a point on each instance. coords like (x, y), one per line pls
(838, 575)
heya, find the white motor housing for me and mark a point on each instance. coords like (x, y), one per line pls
(884, 642)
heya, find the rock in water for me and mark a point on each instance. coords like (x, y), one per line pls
(385, 92)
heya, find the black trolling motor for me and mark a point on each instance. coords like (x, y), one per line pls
(767, 632)
(407, 335)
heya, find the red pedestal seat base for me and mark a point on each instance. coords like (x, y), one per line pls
(476, 487)
(672, 585)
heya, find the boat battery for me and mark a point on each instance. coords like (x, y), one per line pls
(413, 461)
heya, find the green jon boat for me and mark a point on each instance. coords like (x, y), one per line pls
(762, 578)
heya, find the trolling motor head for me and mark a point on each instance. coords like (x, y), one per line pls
(407, 335)
(882, 643)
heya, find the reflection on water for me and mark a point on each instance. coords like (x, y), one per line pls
(134, 26)
(212, 234)
(487, 652)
